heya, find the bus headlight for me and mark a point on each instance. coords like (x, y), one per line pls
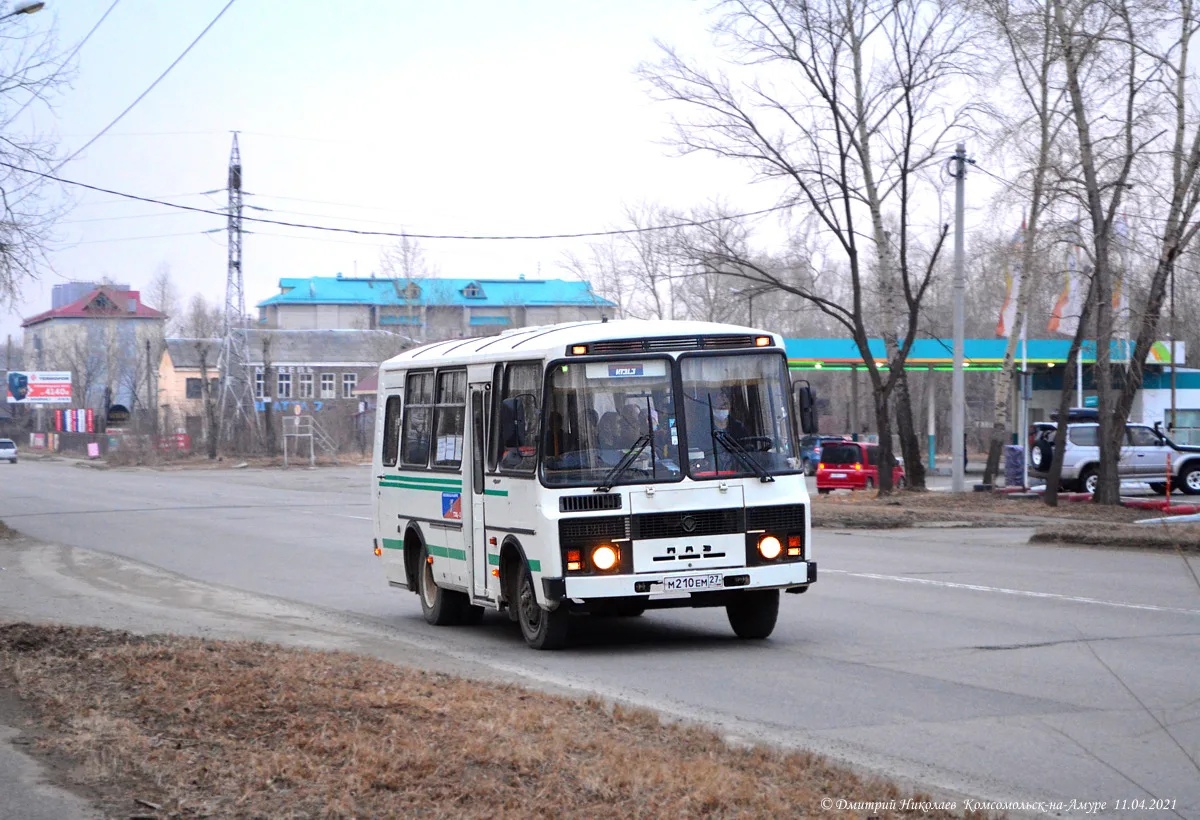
(769, 547)
(605, 557)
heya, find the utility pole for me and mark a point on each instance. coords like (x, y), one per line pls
(234, 358)
(958, 388)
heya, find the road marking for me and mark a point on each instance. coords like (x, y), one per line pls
(1078, 599)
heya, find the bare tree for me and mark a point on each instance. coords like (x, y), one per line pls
(268, 421)
(404, 263)
(1135, 121)
(1026, 33)
(201, 320)
(213, 431)
(31, 71)
(163, 295)
(849, 105)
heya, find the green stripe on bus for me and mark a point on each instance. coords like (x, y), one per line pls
(405, 485)
(393, 544)
(414, 479)
(499, 493)
(494, 560)
(446, 552)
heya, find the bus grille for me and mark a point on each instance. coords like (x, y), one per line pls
(785, 518)
(589, 503)
(727, 342)
(574, 531)
(689, 522)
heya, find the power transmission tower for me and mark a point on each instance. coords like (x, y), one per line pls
(236, 395)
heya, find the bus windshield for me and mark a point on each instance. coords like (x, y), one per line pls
(605, 415)
(621, 422)
(736, 415)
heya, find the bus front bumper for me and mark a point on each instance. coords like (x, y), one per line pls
(680, 585)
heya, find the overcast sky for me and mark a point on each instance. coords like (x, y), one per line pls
(458, 117)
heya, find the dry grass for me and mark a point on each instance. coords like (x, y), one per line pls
(201, 728)
(1071, 522)
(1179, 537)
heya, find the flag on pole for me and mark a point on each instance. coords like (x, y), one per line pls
(1012, 286)
(1120, 293)
(1064, 318)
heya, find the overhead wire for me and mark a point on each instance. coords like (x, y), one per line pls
(150, 88)
(401, 234)
(67, 60)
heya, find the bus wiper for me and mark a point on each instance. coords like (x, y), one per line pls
(623, 465)
(744, 458)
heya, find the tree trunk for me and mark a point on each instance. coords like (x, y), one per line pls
(1064, 401)
(910, 445)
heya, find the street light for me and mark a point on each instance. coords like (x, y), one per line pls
(25, 8)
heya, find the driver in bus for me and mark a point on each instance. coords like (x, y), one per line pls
(723, 420)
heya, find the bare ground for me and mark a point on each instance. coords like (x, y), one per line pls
(170, 727)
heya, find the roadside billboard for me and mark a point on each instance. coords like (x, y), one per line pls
(39, 387)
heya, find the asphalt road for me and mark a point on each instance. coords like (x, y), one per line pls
(962, 660)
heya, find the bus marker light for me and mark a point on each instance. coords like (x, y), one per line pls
(429, 560)
(578, 350)
(378, 551)
(762, 341)
(495, 573)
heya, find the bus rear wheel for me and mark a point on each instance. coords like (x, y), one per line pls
(441, 607)
(754, 613)
(541, 628)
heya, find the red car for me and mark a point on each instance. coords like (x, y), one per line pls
(852, 465)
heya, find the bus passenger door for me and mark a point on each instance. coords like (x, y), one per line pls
(478, 535)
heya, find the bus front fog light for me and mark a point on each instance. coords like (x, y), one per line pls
(605, 557)
(769, 547)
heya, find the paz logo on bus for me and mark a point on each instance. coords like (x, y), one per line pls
(617, 370)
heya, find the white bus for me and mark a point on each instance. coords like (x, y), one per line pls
(593, 468)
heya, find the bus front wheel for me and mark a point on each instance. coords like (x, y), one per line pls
(542, 628)
(441, 607)
(754, 613)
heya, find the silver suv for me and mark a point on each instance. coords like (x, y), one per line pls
(1147, 455)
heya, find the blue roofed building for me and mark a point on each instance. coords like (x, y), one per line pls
(428, 309)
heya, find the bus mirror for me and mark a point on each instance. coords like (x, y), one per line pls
(806, 406)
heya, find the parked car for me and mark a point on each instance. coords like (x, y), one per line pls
(1145, 455)
(852, 465)
(8, 450)
(810, 450)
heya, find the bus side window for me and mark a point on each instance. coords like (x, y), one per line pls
(418, 413)
(450, 418)
(512, 432)
(391, 431)
(520, 416)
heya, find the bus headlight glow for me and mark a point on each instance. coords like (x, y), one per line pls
(769, 547)
(605, 557)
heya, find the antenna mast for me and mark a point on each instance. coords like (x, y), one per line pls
(234, 359)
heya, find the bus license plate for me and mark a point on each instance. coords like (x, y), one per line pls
(691, 583)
